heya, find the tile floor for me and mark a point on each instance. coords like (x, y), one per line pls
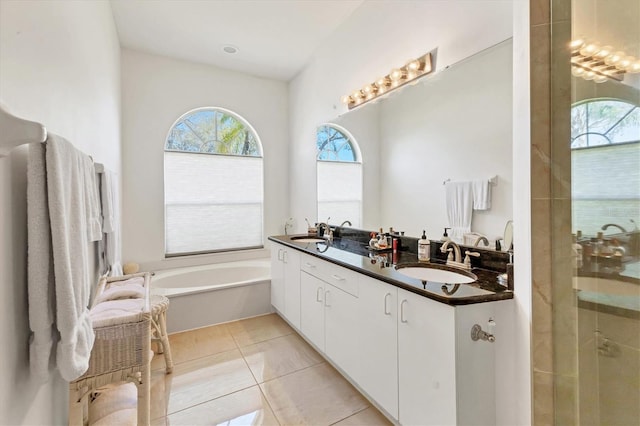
(256, 371)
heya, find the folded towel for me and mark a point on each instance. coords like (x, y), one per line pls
(459, 203)
(67, 179)
(115, 309)
(40, 282)
(115, 405)
(131, 291)
(481, 194)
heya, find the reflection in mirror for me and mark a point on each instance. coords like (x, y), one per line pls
(455, 124)
(507, 239)
(339, 176)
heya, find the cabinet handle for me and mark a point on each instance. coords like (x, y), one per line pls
(402, 311)
(337, 277)
(386, 311)
(310, 265)
(318, 294)
(326, 299)
(280, 254)
(284, 257)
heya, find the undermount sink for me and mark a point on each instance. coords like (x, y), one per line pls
(436, 273)
(307, 239)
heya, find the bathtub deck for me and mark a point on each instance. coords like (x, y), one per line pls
(254, 371)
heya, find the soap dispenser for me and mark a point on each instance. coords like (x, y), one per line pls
(423, 248)
(445, 236)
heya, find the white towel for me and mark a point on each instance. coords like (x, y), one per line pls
(132, 290)
(481, 194)
(111, 222)
(459, 200)
(92, 200)
(40, 282)
(68, 174)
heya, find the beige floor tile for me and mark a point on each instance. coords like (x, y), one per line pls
(258, 329)
(201, 380)
(317, 395)
(189, 345)
(245, 407)
(277, 357)
(367, 417)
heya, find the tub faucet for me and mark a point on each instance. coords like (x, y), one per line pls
(483, 239)
(605, 227)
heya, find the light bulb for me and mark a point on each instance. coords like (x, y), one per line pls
(368, 89)
(414, 65)
(614, 58)
(576, 44)
(356, 95)
(396, 74)
(625, 62)
(604, 52)
(589, 75)
(346, 99)
(600, 79)
(577, 71)
(382, 82)
(634, 68)
(589, 49)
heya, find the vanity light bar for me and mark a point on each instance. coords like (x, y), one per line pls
(600, 63)
(397, 77)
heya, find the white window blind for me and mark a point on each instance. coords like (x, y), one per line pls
(212, 202)
(340, 192)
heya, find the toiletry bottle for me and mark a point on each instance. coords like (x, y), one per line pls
(382, 240)
(424, 248)
(373, 242)
(445, 236)
(577, 253)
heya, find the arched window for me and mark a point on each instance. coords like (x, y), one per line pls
(339, 176)
(605, 164)
(213, 184)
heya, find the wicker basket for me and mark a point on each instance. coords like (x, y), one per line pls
(121, 352)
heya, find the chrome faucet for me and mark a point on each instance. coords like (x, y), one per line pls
(328, 233)
(605, 227)
(483, 239)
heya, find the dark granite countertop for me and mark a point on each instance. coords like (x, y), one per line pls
(356, 256)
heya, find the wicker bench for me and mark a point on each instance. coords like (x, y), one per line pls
(121, 352)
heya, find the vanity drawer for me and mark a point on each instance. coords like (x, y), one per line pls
(342, 278)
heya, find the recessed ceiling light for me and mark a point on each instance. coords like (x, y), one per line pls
(230, 49)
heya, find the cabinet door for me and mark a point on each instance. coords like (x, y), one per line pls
(378, 342)
(312, 309)
(341, 345)
(291, 261)
(426, 361)
(277, 277)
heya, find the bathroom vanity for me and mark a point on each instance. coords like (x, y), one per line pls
(404, 343)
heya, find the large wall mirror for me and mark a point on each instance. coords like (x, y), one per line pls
(454, 125)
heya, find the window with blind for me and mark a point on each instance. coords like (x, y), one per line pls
(339, 176)
(213, 184)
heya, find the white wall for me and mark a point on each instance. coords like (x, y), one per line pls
(59, 65)
(156, 91)
(382, 35)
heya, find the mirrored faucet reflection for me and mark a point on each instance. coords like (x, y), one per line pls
(483, 239)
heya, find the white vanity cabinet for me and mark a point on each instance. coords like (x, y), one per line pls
(329, 306)
(378, 342)
(444, 377)
(285, 282)
(412, 355)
